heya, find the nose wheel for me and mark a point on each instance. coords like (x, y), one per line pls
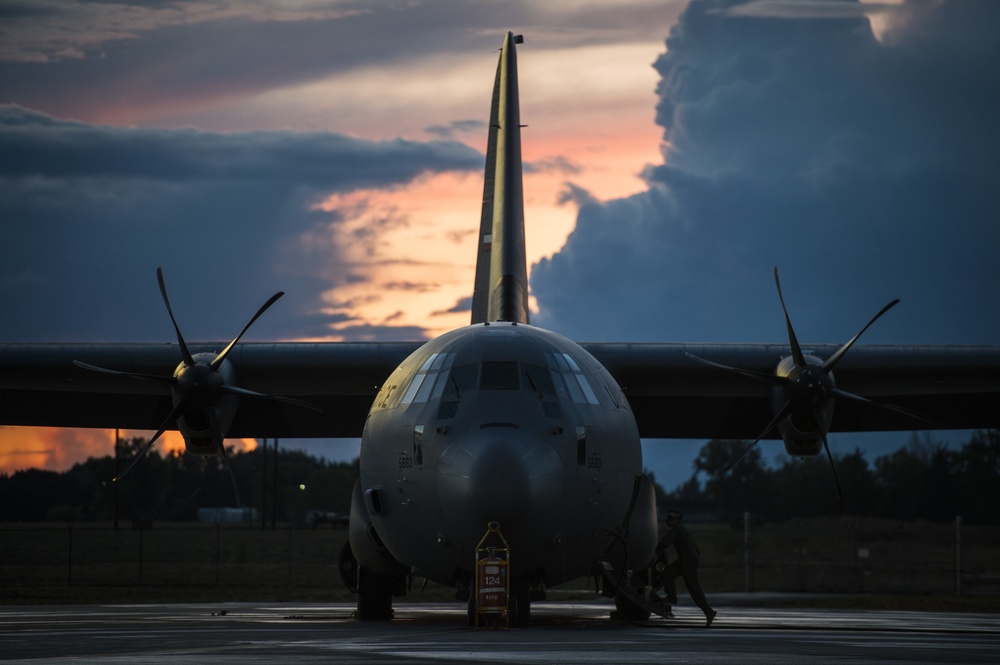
(374, 596)
(520, 601)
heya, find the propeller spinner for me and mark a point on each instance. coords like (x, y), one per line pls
(805, 390)
(202, 388)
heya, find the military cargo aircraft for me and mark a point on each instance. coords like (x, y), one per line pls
(499, 422)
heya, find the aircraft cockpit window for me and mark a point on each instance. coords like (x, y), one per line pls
(587, 390)
(430, 379)
(452, 387)
(411, 392)
(570, 380)
(499, 375)
(540, 380)
(461, 381)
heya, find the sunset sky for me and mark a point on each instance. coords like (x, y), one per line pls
(675, 153)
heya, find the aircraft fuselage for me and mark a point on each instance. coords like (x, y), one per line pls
(499, 422)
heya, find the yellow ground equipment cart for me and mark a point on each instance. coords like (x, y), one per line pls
(491, 598)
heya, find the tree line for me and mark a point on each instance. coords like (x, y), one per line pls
(173, 486)
(923, 480)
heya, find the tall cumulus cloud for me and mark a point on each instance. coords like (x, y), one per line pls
(865, 168)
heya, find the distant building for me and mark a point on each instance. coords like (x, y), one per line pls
(322, 517)
(228, 515)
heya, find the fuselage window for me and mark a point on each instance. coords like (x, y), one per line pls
(429, 381)
(462, 380)
(570, 379)
(499, 375)
(540, 380)
(411, 391)
(588, 392)
(458, 383)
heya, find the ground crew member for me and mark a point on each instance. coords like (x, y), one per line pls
(685, 565)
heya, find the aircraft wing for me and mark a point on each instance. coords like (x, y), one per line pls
(675, 396)
(40, 385)
(671, 394)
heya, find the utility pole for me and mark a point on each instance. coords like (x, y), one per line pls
(263, 483)
(274, 491)
(117, 471)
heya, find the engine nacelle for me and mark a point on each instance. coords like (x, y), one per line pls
(803, 447)
(809, 391)
(212, 412)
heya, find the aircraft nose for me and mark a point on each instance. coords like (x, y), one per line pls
(501, 474)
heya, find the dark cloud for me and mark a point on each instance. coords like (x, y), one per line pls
(415, 287)
(802, 9)
(88, 212)
(557, 164)
(78, 60)
(577, 195)
(382, 333)
(463, 305)
(865, 170)
(38, 146)
(453, 129)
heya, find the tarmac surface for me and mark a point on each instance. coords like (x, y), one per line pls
(560, 632)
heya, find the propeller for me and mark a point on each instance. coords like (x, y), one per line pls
(807, 387)
(198, 385)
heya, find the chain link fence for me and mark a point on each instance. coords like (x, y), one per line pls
(848, 556)
(95, 555)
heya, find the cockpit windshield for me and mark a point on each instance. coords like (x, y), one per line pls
(437, 379)
(499, 375)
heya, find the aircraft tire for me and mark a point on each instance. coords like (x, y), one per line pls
(629, 610)
(374, 596)
(520, 602)
(348, 566)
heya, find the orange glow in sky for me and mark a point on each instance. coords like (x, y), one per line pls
(58, 449)
(415, 246)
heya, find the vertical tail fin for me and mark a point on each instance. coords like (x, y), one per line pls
(501, 289)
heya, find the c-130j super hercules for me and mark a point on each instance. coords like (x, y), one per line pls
(498, 421)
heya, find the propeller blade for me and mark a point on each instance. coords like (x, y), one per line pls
(135, 375)
(772, 379)
(185, 354)
(232, 476)
(837, 392)
(835, 358)
(236, 390)
(213, 422)
(797, 355)
(225, 352)
(171, 416)
(782, 414)
(742, 455)
(833, 467)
